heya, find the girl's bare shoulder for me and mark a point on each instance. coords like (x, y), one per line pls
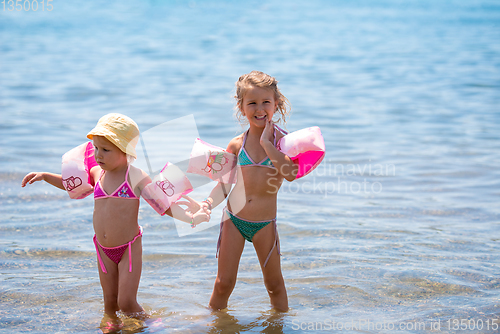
(234, 145)
(95, 172)
(138, 178)
(279, 135)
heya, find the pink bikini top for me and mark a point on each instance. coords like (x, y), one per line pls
(123, 191)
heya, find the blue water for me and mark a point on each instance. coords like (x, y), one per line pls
(398, 227)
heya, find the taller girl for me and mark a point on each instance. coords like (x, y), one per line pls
(251, 207)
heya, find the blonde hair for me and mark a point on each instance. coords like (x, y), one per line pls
(261, 80)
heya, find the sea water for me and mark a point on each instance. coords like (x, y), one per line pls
(396, 231)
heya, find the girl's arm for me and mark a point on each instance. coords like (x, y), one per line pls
(142, 179)
(95, 172)
(222, 190)
(53, 179)
(282, 162)
(217, 195)
(175, 211)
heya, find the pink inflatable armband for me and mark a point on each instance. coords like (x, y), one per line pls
(305, 147)
(75, 171)
(212, 161)
(167, 187)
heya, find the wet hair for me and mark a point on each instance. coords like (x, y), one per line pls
(261, 80)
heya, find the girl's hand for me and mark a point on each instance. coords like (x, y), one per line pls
(206, 206)
(200, 217)
(32, 177)
(192, 205)
(267, 134)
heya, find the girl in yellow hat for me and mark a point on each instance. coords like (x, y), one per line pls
(117, 187)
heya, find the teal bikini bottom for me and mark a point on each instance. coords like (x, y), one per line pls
(248, 228)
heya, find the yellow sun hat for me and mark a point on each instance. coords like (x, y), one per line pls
(120, 130)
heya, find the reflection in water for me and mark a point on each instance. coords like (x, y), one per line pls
(227, 323)
(125, 324)
(110, 323)
(273, 324)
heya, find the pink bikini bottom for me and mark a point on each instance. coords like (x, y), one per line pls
(116, 253)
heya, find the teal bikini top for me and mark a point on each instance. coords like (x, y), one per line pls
(244, 158)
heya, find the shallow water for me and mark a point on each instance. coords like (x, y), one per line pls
(396, 231)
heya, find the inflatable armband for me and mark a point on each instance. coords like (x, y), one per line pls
(212, 161)
(167, 187)
(75, 171)
(305, 147)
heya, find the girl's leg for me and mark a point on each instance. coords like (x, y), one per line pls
(128, 282)
(109, 284)
(231, 247)
(263, 242)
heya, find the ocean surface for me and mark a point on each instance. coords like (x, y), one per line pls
(398, 230)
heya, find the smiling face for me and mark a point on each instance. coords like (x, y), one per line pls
(258, 105)
(107, 155)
